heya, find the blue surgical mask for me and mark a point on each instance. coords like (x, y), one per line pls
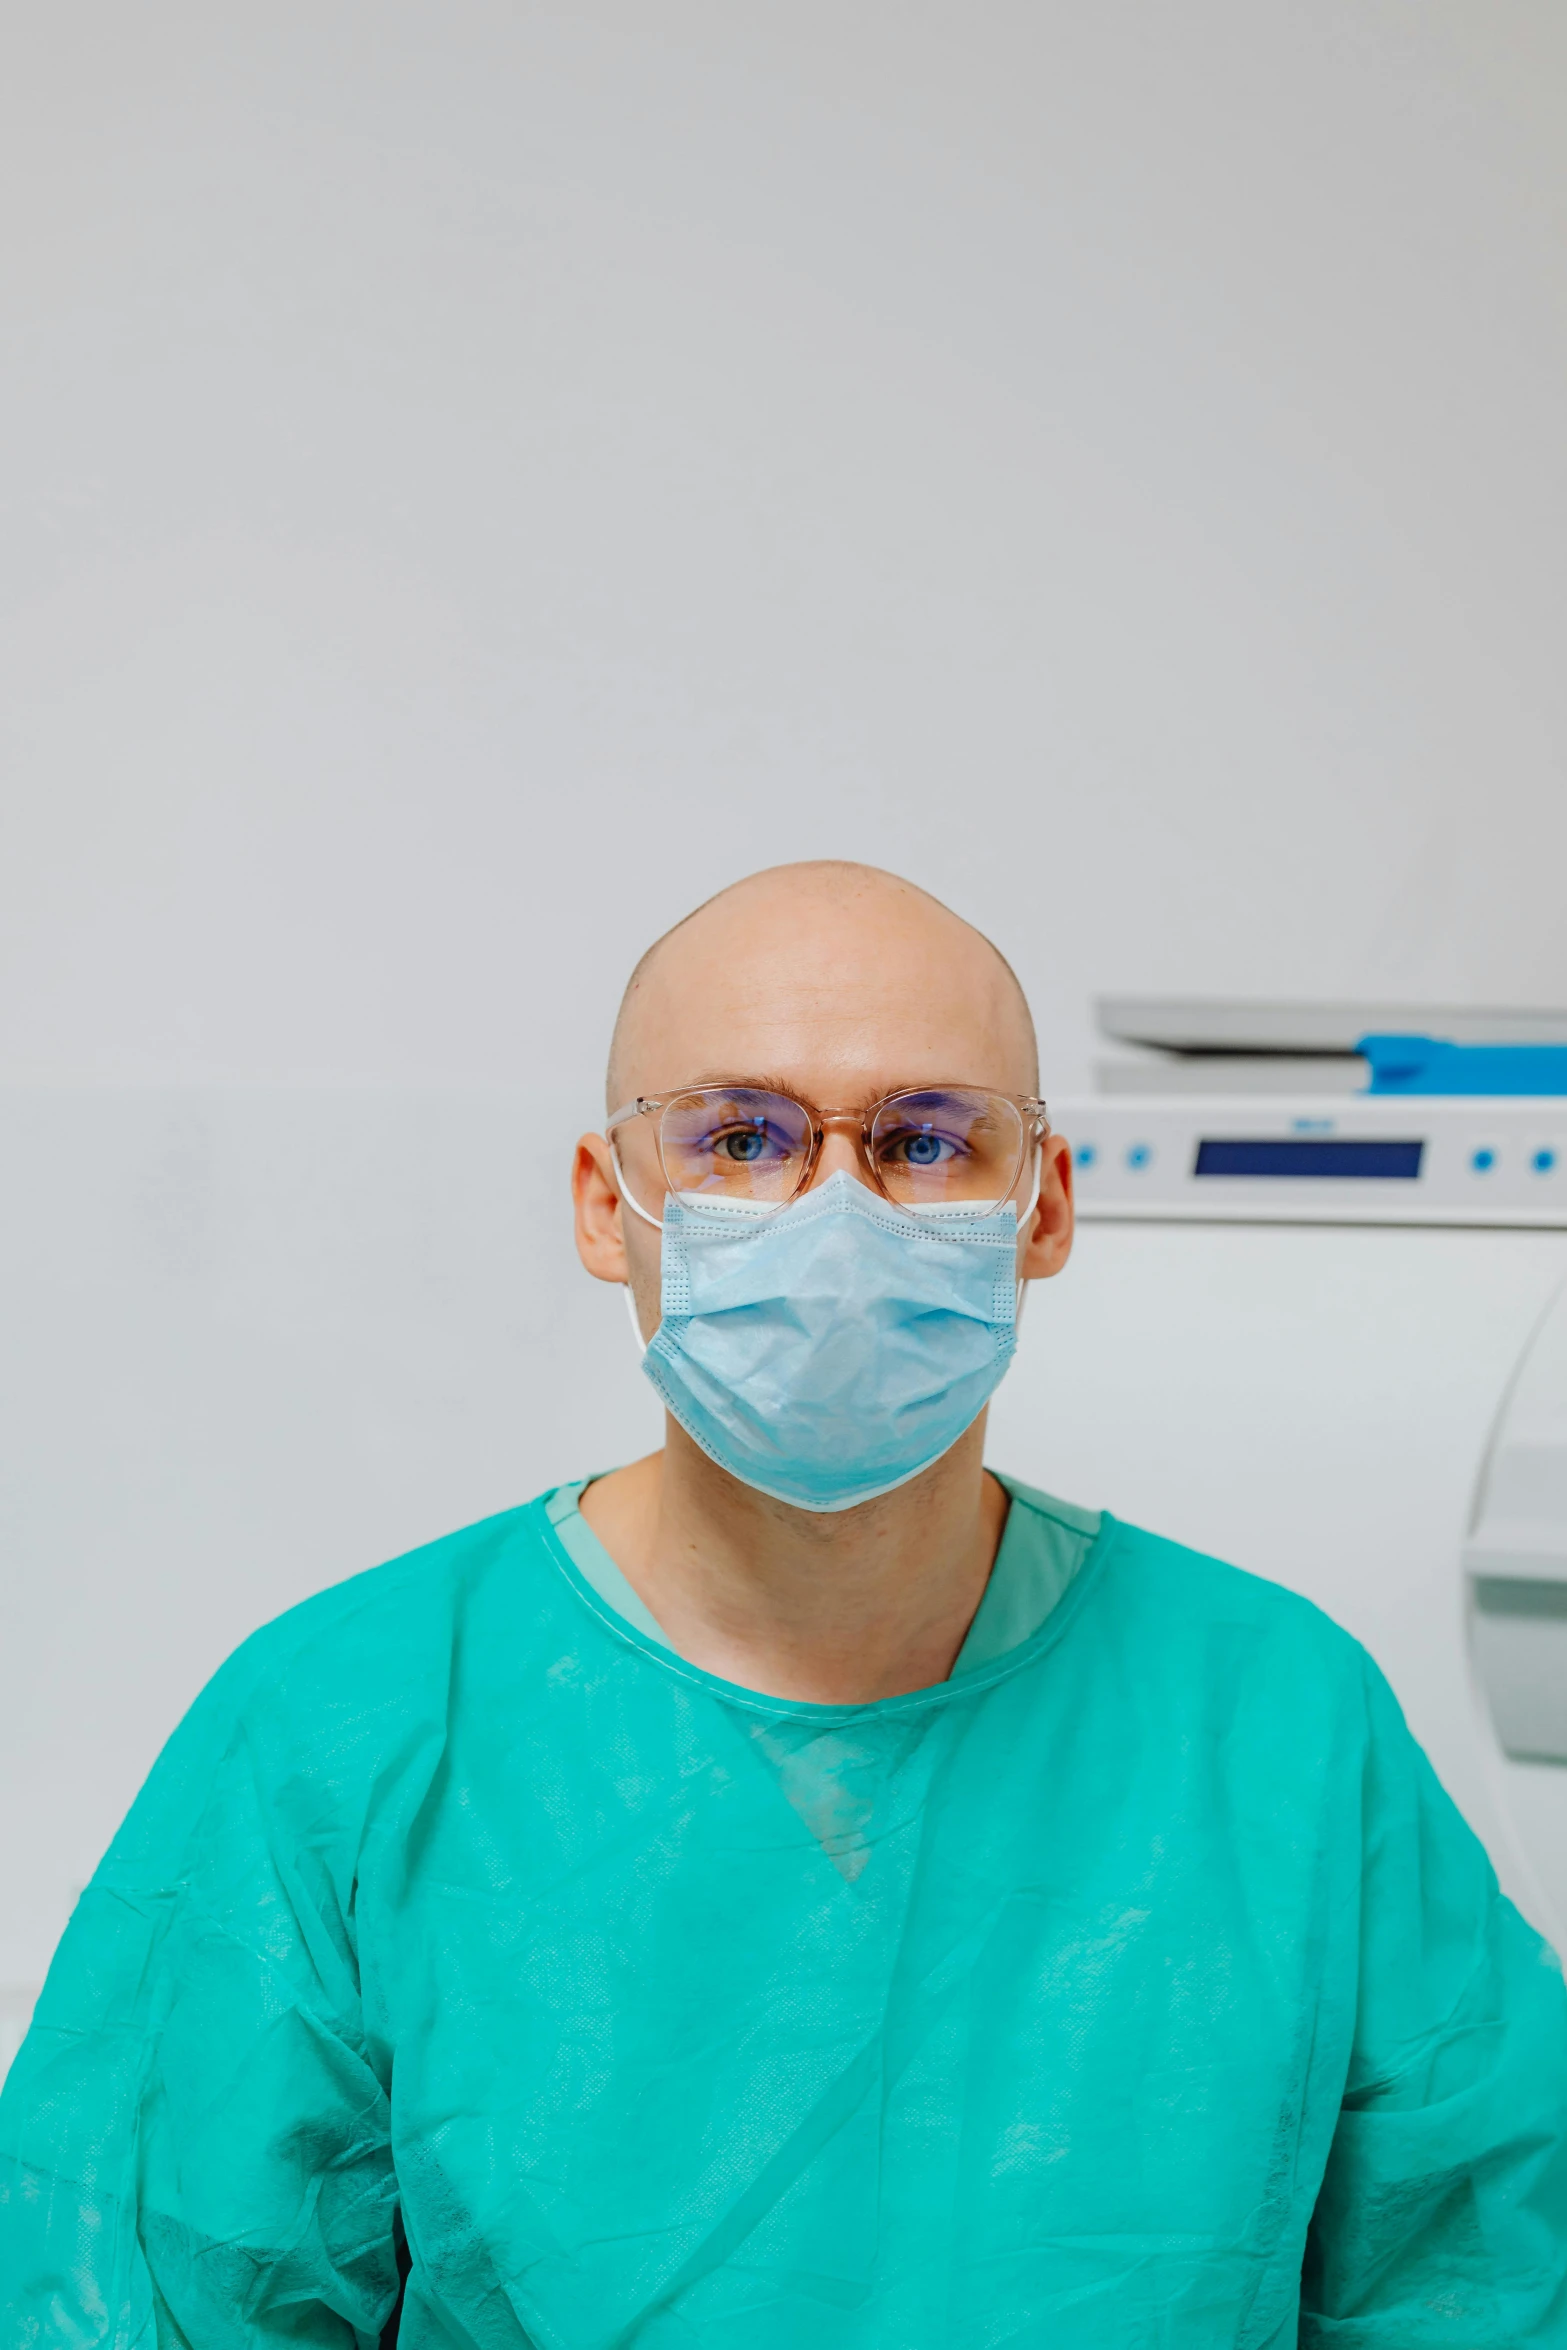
(831, 1350)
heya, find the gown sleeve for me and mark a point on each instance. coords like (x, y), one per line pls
(1442, 2217)
(194, 2137)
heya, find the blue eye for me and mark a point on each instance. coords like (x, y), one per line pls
(921, 1149)
(747, 1146)
(744, 1148)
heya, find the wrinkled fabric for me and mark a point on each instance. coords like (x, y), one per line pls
(833, 1349)
(1140, 1989)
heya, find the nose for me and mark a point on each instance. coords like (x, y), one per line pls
(841, 1152)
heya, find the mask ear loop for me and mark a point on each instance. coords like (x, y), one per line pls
(631, 1311)
(1022, 1219)
(630, 1200)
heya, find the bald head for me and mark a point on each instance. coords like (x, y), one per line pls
(839, 982)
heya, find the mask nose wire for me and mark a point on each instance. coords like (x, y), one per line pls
(637, 1209)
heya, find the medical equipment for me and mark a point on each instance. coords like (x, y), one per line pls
(1321, 1331)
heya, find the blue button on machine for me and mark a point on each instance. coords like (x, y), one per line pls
(1140, 1154)
(1085, 1155)
(1482, 1161)
(1543, 1161)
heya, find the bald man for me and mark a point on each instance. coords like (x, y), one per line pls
(800, 1890)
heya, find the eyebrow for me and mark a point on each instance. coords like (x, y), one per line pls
(760, 1081)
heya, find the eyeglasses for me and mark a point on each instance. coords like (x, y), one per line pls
(941, 1146)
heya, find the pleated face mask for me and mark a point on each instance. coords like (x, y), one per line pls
(829, 1351)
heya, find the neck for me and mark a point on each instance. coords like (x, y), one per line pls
(833, 1609)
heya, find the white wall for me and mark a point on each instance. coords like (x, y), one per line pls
(476, 477)
(473, 479)
(255, 1339)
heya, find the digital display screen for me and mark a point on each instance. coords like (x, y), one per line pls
(1356, 1157)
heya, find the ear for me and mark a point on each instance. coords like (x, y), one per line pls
(596, 1197)
(1049, 1241)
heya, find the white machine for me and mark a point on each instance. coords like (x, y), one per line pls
(1324, 1333)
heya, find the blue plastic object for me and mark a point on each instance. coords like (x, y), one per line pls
(1431, 1064)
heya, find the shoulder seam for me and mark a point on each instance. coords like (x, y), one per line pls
(1066, 1514)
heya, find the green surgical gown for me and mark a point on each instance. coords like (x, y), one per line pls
(1138, 1989)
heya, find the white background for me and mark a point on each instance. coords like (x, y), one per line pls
(474, 479)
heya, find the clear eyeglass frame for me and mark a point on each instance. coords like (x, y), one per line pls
(1028, 1111)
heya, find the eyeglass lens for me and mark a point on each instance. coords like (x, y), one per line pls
(946, 1146)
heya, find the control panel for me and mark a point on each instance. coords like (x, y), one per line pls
(1340, 1159)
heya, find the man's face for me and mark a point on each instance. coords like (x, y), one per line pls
(838, 992)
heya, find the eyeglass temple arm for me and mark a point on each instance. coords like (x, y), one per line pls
(619, 1117)
(629, 1110)
(626, 1192)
